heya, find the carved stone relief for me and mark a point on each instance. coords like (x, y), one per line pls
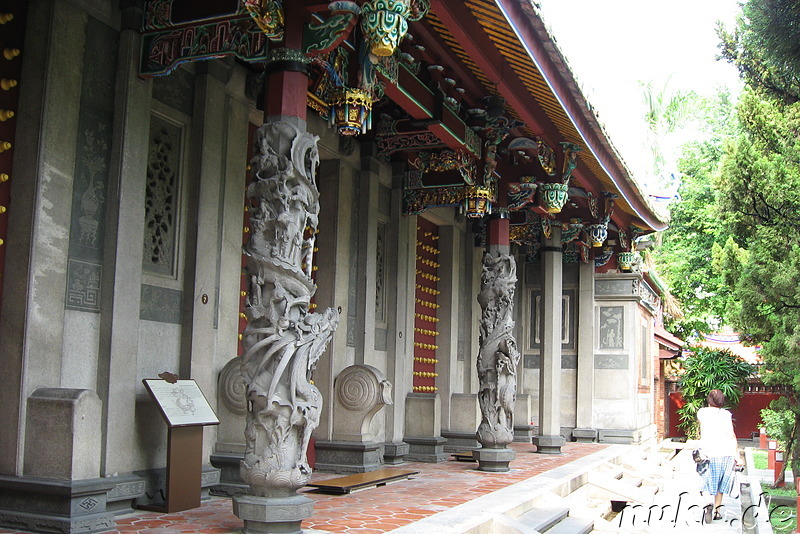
(612, 327)
(498, 356)
(283, 340)
(161, 197)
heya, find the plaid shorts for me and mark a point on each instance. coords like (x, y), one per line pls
(719, 476)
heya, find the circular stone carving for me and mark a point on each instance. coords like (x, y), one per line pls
(357, 388)
(232, 387)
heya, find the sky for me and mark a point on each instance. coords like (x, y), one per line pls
(611, 45)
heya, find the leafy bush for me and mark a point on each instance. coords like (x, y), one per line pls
(778, 419)
(705, 369)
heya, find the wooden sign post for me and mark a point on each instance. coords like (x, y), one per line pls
(186, 411)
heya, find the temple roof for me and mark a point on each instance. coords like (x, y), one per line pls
(523, 64)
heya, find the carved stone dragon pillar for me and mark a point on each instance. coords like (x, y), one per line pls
(498, 358)
(283, 340)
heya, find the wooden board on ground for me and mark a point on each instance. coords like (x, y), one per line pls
(465, 456)
(346, 484)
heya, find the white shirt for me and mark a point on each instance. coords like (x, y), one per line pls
(717, 438)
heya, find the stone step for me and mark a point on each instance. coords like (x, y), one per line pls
(572, 525)
(541, 519)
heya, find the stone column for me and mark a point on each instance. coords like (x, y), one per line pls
(498, 357)
(400, 318)
(119, 325)
(283, 339)
(367, 245)
(584, 421)
(35, 276)
(549, 440)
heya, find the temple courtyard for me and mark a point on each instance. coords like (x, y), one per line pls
(580, 490)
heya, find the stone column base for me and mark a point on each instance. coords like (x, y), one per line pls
(494, 460)
(523, 433)
(549, 444)
(429, 450)
(348, 456)
(625, 437)
(272, 515)
(584, 435)
(156, 483)
(230, 479)
(394, 453)
(460, 441)
(45, 505)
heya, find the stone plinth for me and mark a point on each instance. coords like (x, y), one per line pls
(230, 480)
(62, 437)
(65, 506)
(61, 490)
(423, 415)
(549, 444)
(523, 430)
(494, 460)
(348, 456)
(465, 416)
(423, 426)
(155, 482)
(624, 437)
(460, 441)
(394, 453)
(585, 435)
(426, 449)
(272, 515)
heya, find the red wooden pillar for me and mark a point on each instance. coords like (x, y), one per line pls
(773, 446)
(499, 227)
(287, 76)
(778, 467)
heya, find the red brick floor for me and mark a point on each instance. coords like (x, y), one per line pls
(436, 488)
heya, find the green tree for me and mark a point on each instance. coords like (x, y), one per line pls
(759, 196)
(706, 369)
(765, 47)
(684, 255)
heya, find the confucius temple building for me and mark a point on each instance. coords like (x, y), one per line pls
(290, 235)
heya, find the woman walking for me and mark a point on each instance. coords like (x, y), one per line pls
(718, 444)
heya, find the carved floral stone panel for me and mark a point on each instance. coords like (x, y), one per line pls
(161, 197)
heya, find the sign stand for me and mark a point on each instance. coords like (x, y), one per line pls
(186, 411)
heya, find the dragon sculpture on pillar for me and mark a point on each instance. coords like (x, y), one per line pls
(498, 356)
(283, 340)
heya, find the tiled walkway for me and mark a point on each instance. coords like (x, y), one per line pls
(438, 487)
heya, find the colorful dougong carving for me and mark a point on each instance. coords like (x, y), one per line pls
(498, 356)
(282, 340)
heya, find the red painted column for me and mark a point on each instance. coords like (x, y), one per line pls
(286, 89)
(499, 226)
(778, 467)
(771, 454)
(762, 438)
(498, 231)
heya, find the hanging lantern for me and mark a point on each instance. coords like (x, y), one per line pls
(351, 110)
(477, 201)
(384, 24)
(553, 196)
(625, 261)
(598, 233)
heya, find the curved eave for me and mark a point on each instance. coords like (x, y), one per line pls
(541, 85)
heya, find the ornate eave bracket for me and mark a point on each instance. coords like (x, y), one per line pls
(327, 34)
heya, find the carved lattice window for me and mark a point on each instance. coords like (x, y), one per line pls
(161, 197)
